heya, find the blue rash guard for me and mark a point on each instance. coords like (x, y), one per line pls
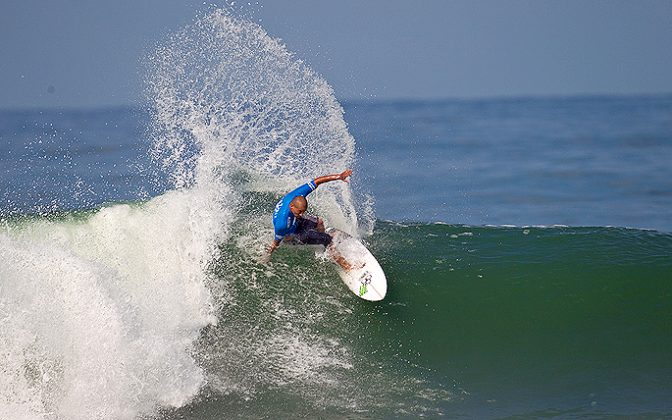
(283, 219)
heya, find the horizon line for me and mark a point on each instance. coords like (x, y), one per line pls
(371, 100)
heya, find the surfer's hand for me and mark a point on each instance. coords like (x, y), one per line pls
(345, 174)
(264, 259)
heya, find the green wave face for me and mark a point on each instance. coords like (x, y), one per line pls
(478, 321)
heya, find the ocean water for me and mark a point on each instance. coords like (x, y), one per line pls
(527, 244)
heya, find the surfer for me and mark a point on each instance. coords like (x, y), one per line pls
(290, 223)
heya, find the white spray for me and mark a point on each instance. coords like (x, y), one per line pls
(99, 315)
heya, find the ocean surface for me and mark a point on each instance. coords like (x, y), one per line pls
(527, 244)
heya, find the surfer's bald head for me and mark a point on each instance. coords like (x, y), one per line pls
(298, 205)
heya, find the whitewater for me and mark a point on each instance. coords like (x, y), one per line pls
(101, 309)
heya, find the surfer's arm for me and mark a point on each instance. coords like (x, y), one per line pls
(274, 245)
(266, 257)
(343, 176)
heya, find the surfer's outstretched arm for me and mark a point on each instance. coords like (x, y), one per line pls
(343, 176)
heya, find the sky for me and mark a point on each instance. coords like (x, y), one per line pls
(81, 53)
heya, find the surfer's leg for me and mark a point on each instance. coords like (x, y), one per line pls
(313, 237)
(307, 232)
(305, 223)
(338, 258)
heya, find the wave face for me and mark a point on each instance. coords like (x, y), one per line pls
(536, 322)
(102, 310)
(479, 322)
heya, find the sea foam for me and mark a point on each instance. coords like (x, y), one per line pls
(99, 316)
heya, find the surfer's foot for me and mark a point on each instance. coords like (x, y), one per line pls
(345, 265)
(342, 262)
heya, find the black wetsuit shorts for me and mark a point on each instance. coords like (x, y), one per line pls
(306, 232)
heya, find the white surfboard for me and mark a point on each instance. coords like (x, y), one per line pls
(366, 278)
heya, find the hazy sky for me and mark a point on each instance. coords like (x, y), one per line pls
(88, 53)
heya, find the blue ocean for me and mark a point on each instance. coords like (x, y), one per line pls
(527, 244)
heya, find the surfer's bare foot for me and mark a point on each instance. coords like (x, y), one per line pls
(345, 265)
(338, 258)
(341, 261)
